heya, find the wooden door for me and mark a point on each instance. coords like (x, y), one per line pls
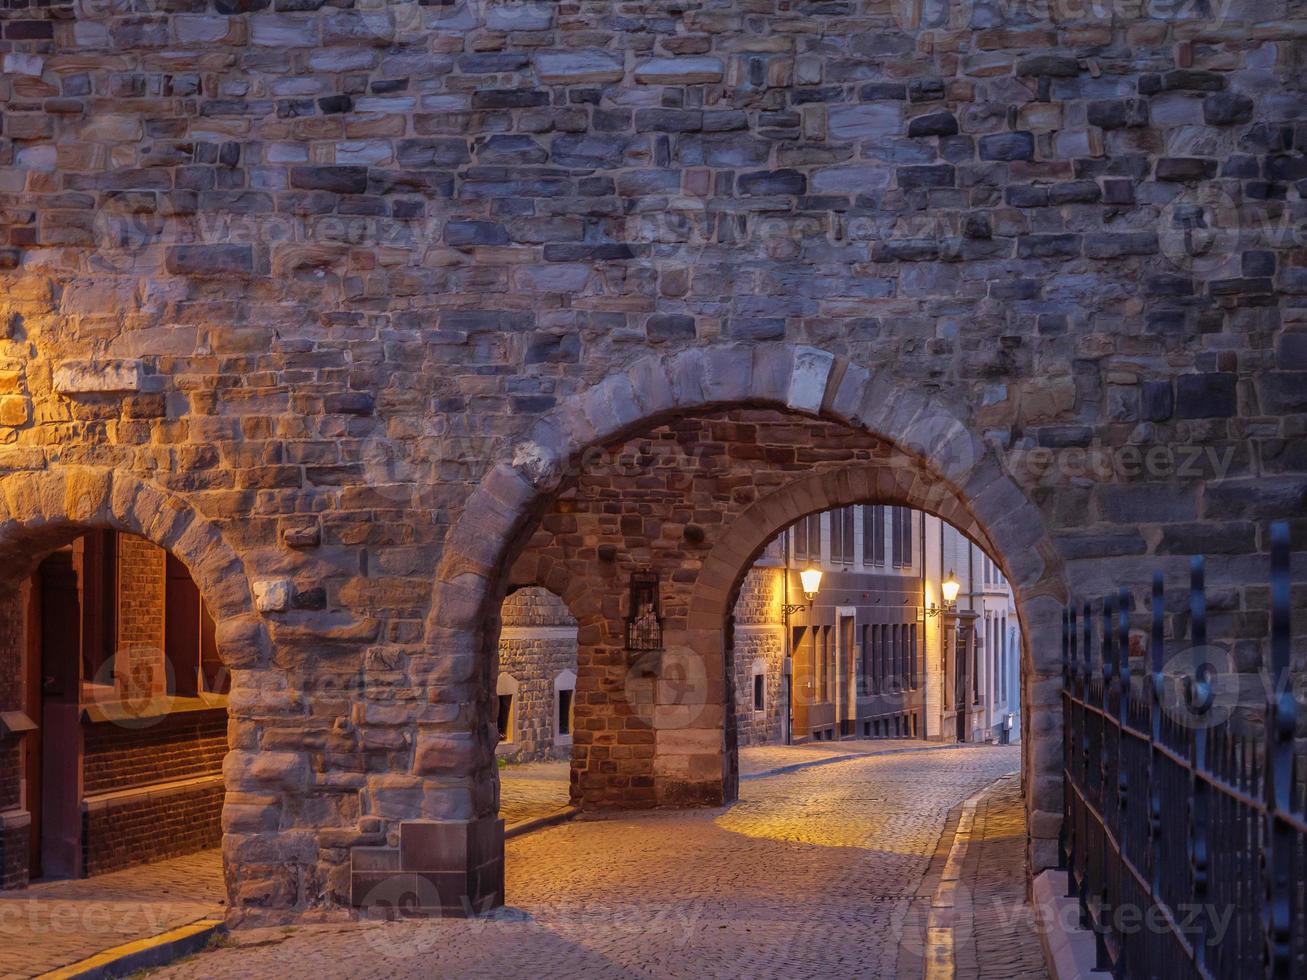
(32, 707)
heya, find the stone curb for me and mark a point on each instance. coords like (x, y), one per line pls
(541, 822)
(1069, 951)
(831, 760)
(141, 954)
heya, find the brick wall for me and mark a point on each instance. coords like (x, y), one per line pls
(151, 828)
(14, 855)
(656, 503)
(139, 665)
(538, 642)
(178, 746)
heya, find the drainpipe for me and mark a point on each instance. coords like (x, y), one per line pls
(787, 670)
(968, 700)
(925, 620)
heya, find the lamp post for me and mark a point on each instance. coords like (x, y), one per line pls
(810, 577)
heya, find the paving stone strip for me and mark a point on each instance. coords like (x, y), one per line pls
(52, 924)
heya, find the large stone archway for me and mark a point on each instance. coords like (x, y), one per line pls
(41, 511)
(941, 466)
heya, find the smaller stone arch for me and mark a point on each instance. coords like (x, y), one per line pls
(41, 511)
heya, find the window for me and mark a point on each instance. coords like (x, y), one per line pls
(841, 535)
(644, 625)
(865, 660)
(759, 692)
(807, 537)
(1002, 667)
(901, 536)
(564, 706)
(505, 720)
(873, 535)
(873, 655)
(565, 712)
(912, 656)
(827, 662)
(896, 656)
(506, 691)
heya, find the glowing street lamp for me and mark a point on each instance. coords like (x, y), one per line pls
(811, 579)
(948, 590)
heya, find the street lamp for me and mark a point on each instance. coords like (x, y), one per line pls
(811, 579)
(948, 589)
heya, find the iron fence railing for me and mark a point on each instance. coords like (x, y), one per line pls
(1184, 832)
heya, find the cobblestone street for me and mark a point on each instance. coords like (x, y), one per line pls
(51, 924)
(531, 790)
(819, 872)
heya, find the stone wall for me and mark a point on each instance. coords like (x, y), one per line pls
(537, 645)
(306, 282)
(759, 636)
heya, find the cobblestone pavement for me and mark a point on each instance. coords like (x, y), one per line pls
(532, 789)
(535, 789)
(812, 874)
(50, 924)
(1001, 940)
(762, 758)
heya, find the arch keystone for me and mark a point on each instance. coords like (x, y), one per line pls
(807, 388)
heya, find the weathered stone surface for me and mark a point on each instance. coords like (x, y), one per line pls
(679, 71)
(933, 124)
(865, 121)
(1227, 109)
(1007, 146)
(99, 376)
(577, 67)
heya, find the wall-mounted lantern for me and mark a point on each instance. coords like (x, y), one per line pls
(811, 579)
(948, 589)
(644, 625)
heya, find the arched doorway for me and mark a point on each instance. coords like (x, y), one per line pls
(913, 453)
(125, 624)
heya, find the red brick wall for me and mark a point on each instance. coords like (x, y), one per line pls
(151, 829)
(141, 571)
(14, 855)
(658, 503)
(179, 746)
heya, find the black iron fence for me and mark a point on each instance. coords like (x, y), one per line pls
(1184, 838)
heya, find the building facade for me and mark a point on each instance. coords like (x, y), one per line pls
(877, 652)
(536, 685)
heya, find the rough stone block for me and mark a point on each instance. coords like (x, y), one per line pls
(865, 121)
(209, 260)
(581, 67)
(100, 376)
(689, 70)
